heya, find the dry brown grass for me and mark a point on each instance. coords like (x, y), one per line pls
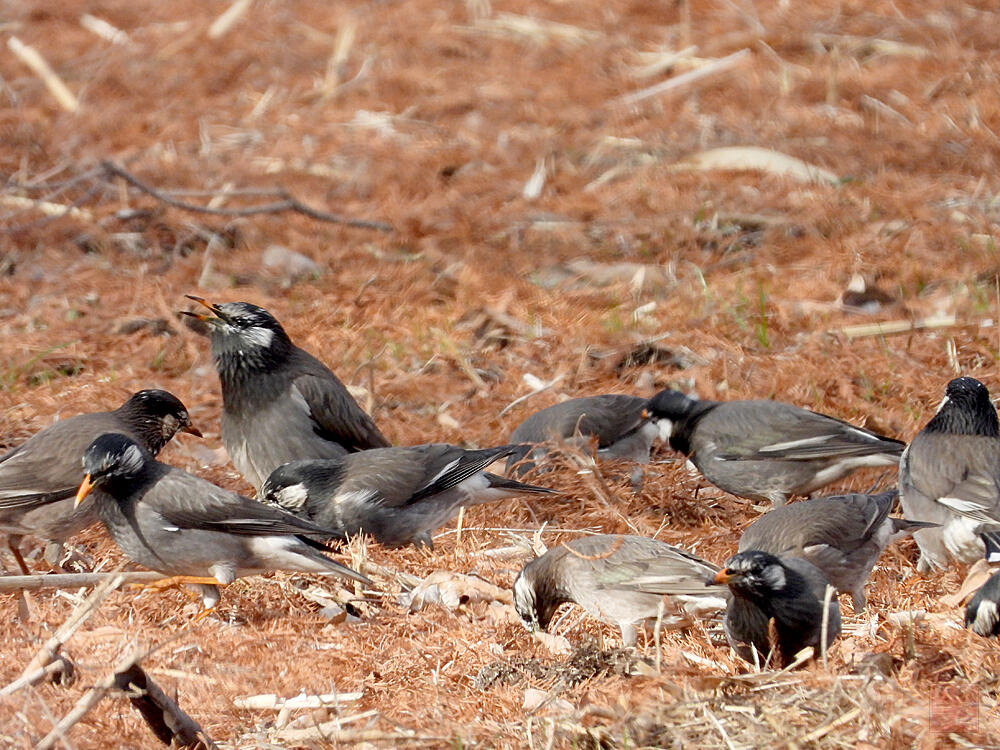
(433, 117)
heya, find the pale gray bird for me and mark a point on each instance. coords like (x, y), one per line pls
(790, 591)
(178, 524)
(983, 613)
(39, 477)
(615, 421)
(279, 403)
(601, 573)
(842, 535)
(950, 475)
(767, 450)
(398, 495)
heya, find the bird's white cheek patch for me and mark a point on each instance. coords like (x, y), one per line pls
(666, 429)
(258, 336)
(293, 497)
(986, 617)
(775, 576)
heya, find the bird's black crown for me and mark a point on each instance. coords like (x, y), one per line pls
(966, 410)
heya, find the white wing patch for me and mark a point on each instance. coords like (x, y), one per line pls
(962, 506)
(448, 467)
(802, 443)
(300, 401)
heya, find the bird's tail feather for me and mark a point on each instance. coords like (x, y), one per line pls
(512, 485)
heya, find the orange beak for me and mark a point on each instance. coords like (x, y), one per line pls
(722, 576)
(646, 414)
(85, 487)
(215, 316)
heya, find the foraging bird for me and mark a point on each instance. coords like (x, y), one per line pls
(616, 421)
(398, 495)
(279, 403)
(178, 524)
(983, 613)
(790, 591)
(842, 535)
(601, 573)
(768, 450)
(950, 475)
(39, 477)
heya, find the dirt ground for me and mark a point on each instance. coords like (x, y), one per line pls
(544, 203)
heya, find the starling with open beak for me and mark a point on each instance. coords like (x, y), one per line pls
(279, 403)
(39, 477)
(767, 450)
(185, 527)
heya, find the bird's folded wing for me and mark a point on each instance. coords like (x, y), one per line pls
(198, 504)
(453, 465)
(29, 501)
(801, 436)
(976, 497)
(336, 414)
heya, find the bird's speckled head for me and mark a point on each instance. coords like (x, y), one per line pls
(524, 602)
(670, 404)
(113, 456)
(243, 336)
(538, 592)
(754, 574)
(158, 416)
(965, 410)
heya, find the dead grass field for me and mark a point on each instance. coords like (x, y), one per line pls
(541, 224)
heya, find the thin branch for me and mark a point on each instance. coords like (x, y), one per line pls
(75, 580)
(287, 203)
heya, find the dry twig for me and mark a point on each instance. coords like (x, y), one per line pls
(287, 202)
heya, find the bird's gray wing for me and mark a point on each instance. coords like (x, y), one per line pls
(47, 467)
(823, 527)
(961, 473)
(188, 502)
(335, 414)
(766, 430)
(639, 564)
(608, 417)
(448, 466)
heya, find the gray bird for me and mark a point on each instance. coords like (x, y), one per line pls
(983, 613)
(178, 524)
(398, 495)
(768, 450)
(950, 475)
(790, 591)
(615, 421)
(39, 477)
(600, 574)
(279, 403)
(842, 535)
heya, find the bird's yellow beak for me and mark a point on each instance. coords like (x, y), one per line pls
(85, 487)
(723, 576)
(216, 316)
